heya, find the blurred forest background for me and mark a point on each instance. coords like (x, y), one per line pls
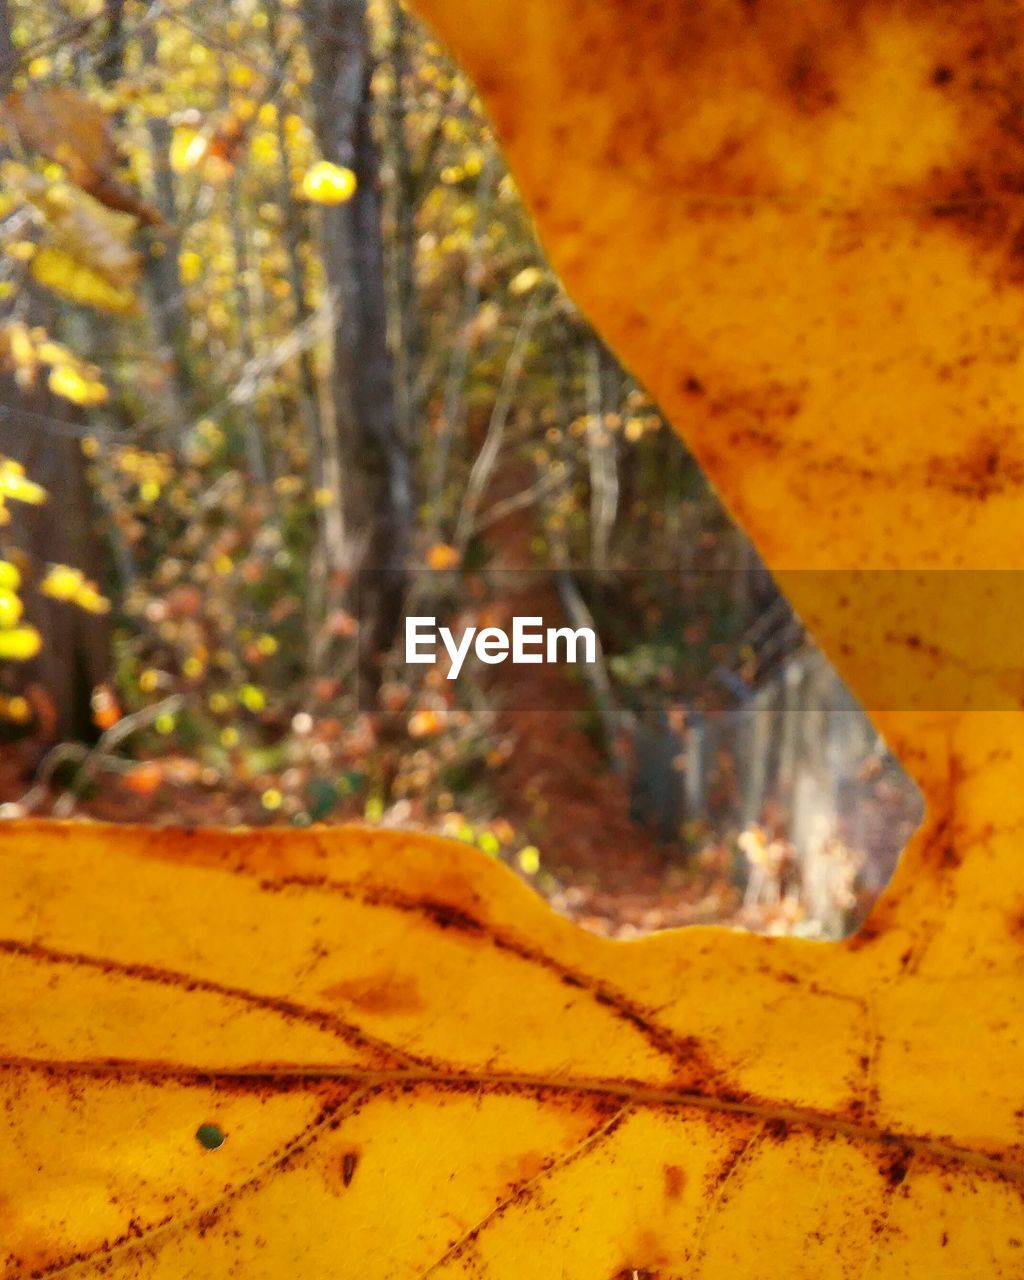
(273, 315)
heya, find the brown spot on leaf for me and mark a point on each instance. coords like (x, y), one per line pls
(382, 993)
(896, 1167)
(340, 1170)
(675, 1181)
(809, 84)
(525, 1167)
(1015, 921)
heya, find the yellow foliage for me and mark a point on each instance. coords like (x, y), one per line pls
(264, 149)
(525, 280)
(326, 183)
(67, 381)
(188, 148)
(190, 266)
(89, 598)
(529, 860)
(24, 350)
(20, 250)
(16, 486)
(252, 698)
(18, 352)
(63, 582)
(86, 253)
(77, 280)
(11, 607)
(20, 643)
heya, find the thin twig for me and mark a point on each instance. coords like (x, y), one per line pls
(488, 455)
(517, 501)
(92, 757)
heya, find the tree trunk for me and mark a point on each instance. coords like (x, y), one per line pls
(377, 473)
(39, 432)
(8, 53)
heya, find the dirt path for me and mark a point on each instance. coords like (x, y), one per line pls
(559, 788)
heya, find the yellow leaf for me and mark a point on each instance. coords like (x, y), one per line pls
(10, 576)
(80, 282)
(66, 381)
(19, 346)
(190, 267)
(87, 253)
(62, 582)
(529, 860)
(11, 607)
(88, 597)
(241, 76)
(361, 1003)
(326, 183)
(252, 698)
(15, 485)
(525, 280)
(20, 643)
(20, 250)
(188, 147)
(25, 349)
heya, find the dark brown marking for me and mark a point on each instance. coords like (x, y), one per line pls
(384, 993)
(896, 1167)
(675, 1181)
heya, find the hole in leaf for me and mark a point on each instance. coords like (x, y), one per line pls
(210, 1136)
(711, 765)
